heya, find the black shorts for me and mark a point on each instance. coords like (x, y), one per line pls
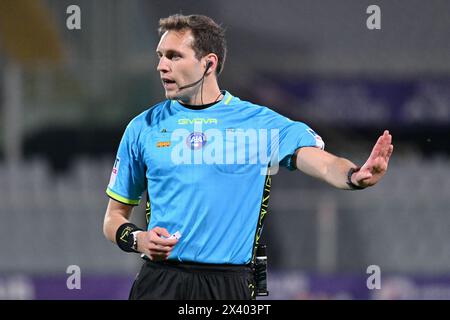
(191, 281)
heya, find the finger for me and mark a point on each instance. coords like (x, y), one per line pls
(385, 144)
(376, 150)
(384, 136)
(163, 241)
(388, 138)
(391, 149)
(387, 147)
(363, 180)
(161, 231)
(155, 252)
(384, 149)
(364, 175)
(159, 248)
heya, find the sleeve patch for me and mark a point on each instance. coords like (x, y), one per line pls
(115, 171)
(319, 142)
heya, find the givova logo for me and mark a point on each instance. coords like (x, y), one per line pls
(197, 121)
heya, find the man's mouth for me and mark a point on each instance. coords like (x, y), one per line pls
(168, 83)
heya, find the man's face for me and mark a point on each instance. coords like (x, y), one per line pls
(178, 65)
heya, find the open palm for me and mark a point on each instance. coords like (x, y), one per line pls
(376, 165)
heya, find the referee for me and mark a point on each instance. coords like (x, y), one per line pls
(208, 189)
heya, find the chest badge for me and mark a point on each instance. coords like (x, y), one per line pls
(196, 140)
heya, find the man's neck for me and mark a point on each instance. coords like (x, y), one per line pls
(205, 105)
(207, 94)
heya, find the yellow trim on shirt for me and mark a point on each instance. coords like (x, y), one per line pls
(228, 99)
(119, 198)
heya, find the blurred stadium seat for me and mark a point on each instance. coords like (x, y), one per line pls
(399, 224)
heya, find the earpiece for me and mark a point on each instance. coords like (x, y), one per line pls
(209, 64)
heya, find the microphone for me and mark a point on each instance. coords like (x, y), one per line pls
(208, 65)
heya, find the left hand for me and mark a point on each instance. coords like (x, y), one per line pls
(375, 167)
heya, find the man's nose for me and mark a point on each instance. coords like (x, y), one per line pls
(163, 65)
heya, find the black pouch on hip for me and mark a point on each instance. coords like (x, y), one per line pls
(260, 271)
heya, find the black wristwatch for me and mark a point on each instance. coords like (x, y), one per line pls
(349, 179)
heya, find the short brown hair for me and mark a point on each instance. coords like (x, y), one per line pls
(209, 37)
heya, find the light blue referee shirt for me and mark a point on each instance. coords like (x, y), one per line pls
(206, 173)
